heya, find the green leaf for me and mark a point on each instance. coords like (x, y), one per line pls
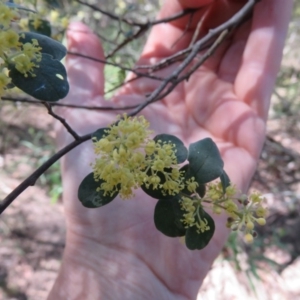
(157, 193)
(43, 28)
(195, 240)
(181, 151)
(167, 215)
(201, 190)
(225, 180)
(99, 134)
(88, 195)
(48, 45)
(49, 83)
(205, 160)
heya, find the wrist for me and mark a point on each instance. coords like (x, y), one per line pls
(94, 271)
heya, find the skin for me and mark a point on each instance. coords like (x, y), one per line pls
(115, 252)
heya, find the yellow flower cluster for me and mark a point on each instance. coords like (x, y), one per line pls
(128, 158)
(12, 52)
(192, 217)
(241, 217)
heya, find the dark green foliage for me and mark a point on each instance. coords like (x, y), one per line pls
(99, 134)
(167, 215)
(48, 45)
(225, 181)
(197, 241)
(201, 190)
(43, 28)
(181, 151)
(88, 195)
(205, 160)
(49, 83)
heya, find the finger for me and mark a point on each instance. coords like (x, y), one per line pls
(86, 81)
(168, 38)
(85, 75)
(177, 34)
(262, 56)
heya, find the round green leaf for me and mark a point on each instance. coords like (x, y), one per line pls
(48, 45)
(225, 180)
(195, 240)
(181, 151)
(43, 28)
(167, 215)
(49, 83)
(205, 160)
(88, 195)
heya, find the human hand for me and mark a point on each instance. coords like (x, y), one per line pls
(115, 251)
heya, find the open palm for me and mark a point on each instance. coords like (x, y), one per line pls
(116, 250)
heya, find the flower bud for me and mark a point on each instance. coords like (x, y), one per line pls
(261, 221)
(248, 238)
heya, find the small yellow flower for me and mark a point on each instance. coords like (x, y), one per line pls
(202, 226)
(4, 81)
(24, 65)
(150, 147)
(248, 238)
(65, 22)
(10, 38)
(261, 221)
(32, 50)
(261, 212)
(6, 15)
(192, 185)
(250, 225)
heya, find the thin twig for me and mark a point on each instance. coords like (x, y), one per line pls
(61, 120)
(139, 33)
(174, 82)
(155, 95)
(197, 29)
(30, 181)
(187, 27)
(100, 108)
(138, 24)
(105, 62)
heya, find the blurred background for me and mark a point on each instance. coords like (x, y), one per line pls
(32, 229)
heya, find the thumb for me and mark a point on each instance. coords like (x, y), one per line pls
(86, 81)
(86, 76)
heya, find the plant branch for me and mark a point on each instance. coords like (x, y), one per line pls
(61, 120)
(105, 62)
(100, 108)
(138, 24)
(30, 181)
(219, 34)
(173, 78)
